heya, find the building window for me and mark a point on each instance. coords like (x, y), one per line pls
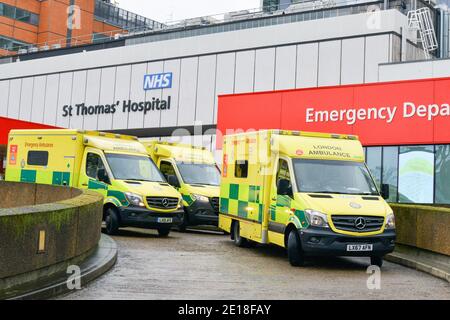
(374, 163)
(442, 193)
(10, 44)
(390, 171)
(100, 37)
(18, 14)
(123, 19)
(416, 174)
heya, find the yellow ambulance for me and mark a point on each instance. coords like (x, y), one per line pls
(310, 193)
(194, 173)
(117, 166)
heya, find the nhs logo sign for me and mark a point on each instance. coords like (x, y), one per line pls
(158, 81)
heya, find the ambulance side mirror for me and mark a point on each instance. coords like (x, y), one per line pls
(385, 191)
(173, 181)
(103, 176)
(284, 187)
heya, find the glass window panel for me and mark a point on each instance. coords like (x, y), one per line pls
(416, 174)
(390, 171)
(22, 15)
(9, 11)
(443, 174)
(34, 19)
(374, 163)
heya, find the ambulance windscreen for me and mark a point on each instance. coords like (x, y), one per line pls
(130, 167)
(329, 176)
(199, 173)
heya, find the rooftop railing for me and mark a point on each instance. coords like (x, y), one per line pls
(243, 19)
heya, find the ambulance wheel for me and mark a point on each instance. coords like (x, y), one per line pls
(376, 261)
(163, 232)
(112, 221)
(294, 249)
(238, 240)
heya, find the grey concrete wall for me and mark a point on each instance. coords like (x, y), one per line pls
(72, 228)
(423, 227)
(16, 194)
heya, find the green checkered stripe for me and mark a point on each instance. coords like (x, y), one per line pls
(55, 178)
(242, 200)
(187, 198)
(285, 202)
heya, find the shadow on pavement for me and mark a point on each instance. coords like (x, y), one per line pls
(323, 262)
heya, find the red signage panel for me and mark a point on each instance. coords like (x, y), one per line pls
(7, 124)
(390, 113)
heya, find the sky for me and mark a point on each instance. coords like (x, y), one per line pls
(174, 10)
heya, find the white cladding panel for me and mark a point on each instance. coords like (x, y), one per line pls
(64, 98)
(169, 117)
(352, 69)
(49, 85)
(38, 110)
(415, 70)
(245, 71)
(14, 98)
(137, 94)
(225, 77)
(4, 93)
(206, 89)
(153, 118)
(188, 92)
(377, 51)
(285, 67)
(26, 99)
(78, 97)
(307, 65)
(107, 91)
(92, 98)
(122, 93)
(265, 70)
(329, 63)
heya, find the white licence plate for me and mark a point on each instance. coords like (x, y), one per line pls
(360, 247)
(165, 220)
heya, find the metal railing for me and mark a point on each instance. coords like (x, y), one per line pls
(312, 9)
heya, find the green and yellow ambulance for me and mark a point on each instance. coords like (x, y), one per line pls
(310, 193)
(194, 173)
(117, 166)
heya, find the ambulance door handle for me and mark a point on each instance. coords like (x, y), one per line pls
(274, 199)
(84, 184)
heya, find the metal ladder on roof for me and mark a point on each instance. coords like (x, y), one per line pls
(421, 21)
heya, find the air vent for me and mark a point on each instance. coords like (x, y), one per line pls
(371, 198)
(321, 196)
(164, 184)
(133, 182)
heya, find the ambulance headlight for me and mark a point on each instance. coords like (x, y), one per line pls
(390, 221)
(199, 197)
(316, 218)
(135, 199)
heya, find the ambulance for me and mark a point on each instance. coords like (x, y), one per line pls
(310, 193)
(135, 192)
(194, 173)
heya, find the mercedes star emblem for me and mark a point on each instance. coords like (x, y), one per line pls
(360, 223)
(165, 202)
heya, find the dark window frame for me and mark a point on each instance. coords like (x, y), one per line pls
(243, 164)
(37, 158)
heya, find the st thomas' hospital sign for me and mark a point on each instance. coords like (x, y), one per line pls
(151, 82)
